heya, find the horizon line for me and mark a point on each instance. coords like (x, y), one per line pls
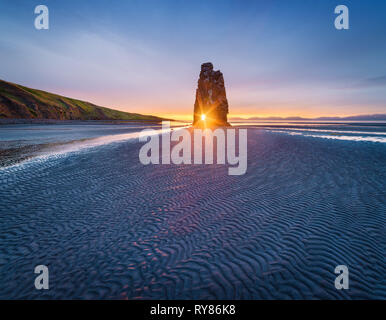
(188, 117)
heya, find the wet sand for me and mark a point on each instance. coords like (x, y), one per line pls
(109, 227)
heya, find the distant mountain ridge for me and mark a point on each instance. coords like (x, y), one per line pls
(19, 102)
(366, 117)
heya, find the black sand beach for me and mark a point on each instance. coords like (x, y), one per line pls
(109, 227)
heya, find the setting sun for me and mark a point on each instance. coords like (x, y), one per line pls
(203, 116)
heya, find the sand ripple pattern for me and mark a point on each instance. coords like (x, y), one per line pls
(110, 228)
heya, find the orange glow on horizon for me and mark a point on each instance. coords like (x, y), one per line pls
(246, 116)
(181, 111)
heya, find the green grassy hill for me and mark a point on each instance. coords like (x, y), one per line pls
(19, 102)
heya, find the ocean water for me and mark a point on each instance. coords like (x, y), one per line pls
(373, 131)
(109, 227)
(21, 142)
(20, 135)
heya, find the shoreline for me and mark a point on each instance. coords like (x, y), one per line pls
(20, 144)
(56, 121)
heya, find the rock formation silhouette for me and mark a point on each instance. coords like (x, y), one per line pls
(211, 105)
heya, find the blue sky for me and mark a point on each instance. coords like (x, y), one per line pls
(280, 58)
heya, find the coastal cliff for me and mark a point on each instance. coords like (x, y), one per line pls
(211, 105)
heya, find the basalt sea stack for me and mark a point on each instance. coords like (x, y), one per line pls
(211, 106)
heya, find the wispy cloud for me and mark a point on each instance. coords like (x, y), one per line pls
(370, 82)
